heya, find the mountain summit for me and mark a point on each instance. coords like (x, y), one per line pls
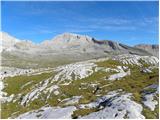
(68, 40)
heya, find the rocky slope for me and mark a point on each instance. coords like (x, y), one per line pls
(7, 41)
(153, 49)
(110, 80)
(64, 48)
(124, 86)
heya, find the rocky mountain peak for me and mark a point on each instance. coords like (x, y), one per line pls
(68, 40)
(6, 38)
(7, 41)
(71, 37)
(10, 43)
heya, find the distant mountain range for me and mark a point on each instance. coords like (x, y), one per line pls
(153, 49)
(68, 47)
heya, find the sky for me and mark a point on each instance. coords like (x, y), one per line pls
(130, 23)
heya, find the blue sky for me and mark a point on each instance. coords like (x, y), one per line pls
(126, 22)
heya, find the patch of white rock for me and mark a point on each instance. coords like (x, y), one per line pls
(149, 96)
(67, 72)
(49, 113)
(11, 71)
(119, 75)
(135, 59)
(3, 95)
(75, 71)
(42, 87)
(115, 105)
(72, 100)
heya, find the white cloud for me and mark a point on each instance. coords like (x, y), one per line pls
(117, 24)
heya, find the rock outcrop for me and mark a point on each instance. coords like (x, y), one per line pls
(153, 49)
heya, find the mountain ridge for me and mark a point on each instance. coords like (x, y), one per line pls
(69, 47)
(65, 33)
(67, 38)
(153, 49)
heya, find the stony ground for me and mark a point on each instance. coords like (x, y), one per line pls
(125, 86)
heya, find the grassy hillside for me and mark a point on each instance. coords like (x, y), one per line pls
(89, 88)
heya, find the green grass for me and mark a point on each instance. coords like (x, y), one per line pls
(28, 61)
(151, 114)
(130, 84)
(134, 83)
(14, 84)
(109, 63)
(9, 108)
(76, 88)
(83, 112)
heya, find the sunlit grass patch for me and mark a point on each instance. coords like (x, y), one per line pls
(14, 84)
(9, 108)
(151, 114)
(83, 112)
(109, 63)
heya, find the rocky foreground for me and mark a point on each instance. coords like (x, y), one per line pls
(123, 86)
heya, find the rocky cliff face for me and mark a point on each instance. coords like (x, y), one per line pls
(153, 49)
